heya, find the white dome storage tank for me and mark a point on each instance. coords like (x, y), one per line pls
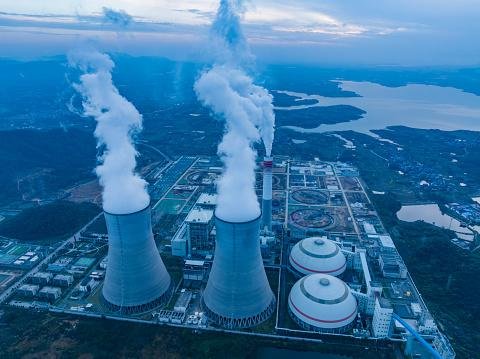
(322, 303)
(317, 255)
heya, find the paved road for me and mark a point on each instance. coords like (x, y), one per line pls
(282, 290)
(354, 221)
(47, 259)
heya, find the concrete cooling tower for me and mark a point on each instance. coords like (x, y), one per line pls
(136, 279)
(267, 194)
(238, 294)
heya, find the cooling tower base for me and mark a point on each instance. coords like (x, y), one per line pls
(137, 309)
(238, 323)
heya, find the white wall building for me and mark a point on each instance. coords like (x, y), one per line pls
(382, 318)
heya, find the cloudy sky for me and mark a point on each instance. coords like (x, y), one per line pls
(346, 32)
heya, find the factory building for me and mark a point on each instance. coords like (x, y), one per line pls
(50, 294)
(199, 226)
(179, 242)
(62, 280)
(207, 201)
(382, 318)
(87, 284)
(392, 266)
(322, 303)
(41, 278)
(183, 302)
(194, 270)
(28, 290)
(136, 279)
(238, 294)
(267, 195)
(317, 255)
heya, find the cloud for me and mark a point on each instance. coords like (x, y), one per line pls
(116, 17)
(386, 32)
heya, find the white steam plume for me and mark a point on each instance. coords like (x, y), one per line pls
(246, 108)
(118, 120)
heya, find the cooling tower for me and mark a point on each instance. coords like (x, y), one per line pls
(238, 294)
(136, 279)
(267, 194)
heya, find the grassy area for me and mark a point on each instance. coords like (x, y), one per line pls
(33, 335)
(446, 276)
(174, 265)
(169, 206)
(50, 223)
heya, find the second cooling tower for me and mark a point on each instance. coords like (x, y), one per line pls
(136, 279)
(238, 294)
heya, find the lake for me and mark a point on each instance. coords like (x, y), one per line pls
(431, 213)
(413, 105)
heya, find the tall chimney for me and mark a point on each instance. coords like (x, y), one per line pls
(136, 279)
(267, 194)
(238, 294)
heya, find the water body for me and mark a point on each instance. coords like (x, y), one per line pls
(416, 106)
(346, 143)
(431, 213)
(298, 142)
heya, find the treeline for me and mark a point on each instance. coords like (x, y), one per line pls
(49, 222)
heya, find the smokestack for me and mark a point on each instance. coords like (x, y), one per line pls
(136, 278)
(238, 294)
(267, 194)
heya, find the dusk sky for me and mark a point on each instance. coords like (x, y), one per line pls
(347, 32)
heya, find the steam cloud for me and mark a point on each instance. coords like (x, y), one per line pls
(118, 120)
(116, 17)
(246, 108)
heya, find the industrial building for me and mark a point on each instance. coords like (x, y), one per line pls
(28, 290)
(183, 301)
(317, 255)
(62, 280)
(199, 227)
(136, 279)
(238, 294)
(382, 318)
(87, 284)
(207, 201)
(41, 278)
(194, 271)
(50, 294)
(322, 303)
(196, 236)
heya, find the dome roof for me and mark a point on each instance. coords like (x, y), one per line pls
(317, 255)
(322, 301)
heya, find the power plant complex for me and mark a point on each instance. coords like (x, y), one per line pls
(317, 262)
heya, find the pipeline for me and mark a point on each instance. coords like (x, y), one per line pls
(417, 336)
